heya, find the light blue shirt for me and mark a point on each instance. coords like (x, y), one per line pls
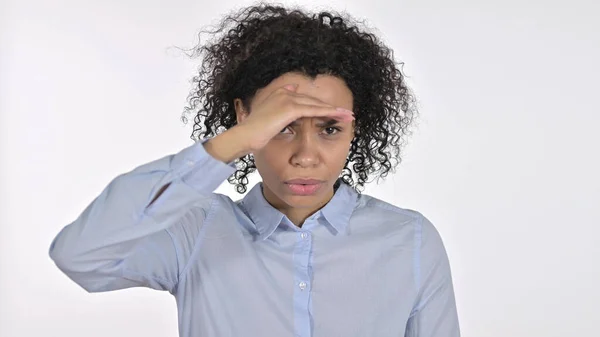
(357, 267)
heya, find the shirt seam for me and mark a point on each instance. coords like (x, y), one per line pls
(418, 239)
(205, 223)
(177, 255)
(444, 284)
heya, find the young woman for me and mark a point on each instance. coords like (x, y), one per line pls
(318, 107)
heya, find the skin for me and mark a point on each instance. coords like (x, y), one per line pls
(305, 149)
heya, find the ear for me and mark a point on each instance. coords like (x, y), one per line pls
(240, 111)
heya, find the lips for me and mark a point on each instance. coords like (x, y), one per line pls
(303, 181)
(304, 186)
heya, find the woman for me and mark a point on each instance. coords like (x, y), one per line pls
(311, 102)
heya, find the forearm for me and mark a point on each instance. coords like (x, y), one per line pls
(136, 207)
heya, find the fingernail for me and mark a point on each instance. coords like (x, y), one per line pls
(345, 110)
(345, 118)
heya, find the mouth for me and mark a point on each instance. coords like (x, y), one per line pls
(304, 186)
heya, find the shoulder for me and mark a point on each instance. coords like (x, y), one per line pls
(368, 206)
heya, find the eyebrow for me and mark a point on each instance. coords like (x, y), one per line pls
(325, 124)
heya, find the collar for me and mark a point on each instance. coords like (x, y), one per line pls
(267, 218)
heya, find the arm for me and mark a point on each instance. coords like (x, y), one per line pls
(434, 313)
(128, 235)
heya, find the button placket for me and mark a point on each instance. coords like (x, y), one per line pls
(302, 253)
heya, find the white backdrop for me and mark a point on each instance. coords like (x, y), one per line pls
(505, 160)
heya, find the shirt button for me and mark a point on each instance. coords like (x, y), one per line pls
(190, 162)
(304, 235)
(302, 285)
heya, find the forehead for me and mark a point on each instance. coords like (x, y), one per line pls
(327, 88)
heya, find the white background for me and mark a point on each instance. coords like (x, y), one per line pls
(505, 160)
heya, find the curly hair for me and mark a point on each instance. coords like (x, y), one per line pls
(264, 41)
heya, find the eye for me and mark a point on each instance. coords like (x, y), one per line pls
(332, 130)
(282, 131)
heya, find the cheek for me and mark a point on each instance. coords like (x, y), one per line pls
(339, 160)
(338, 152)
(269, 160)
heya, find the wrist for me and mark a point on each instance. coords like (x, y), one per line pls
(238, 137)
(228, 146)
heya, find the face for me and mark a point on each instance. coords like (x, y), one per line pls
(307, 149)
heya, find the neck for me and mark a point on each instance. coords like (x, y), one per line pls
(297, 215)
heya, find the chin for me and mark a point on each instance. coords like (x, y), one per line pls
(302, 201)
(298, 201)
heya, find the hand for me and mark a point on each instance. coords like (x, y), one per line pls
(280, 109)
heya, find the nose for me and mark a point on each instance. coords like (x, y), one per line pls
(306, 151)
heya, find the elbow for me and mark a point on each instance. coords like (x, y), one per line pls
(92, 277)
(61, 254)
(70, 258)
(57, 252)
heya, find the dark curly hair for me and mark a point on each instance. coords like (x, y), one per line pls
(265, 41)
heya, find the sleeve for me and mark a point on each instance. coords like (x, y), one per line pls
(124, 240)
(434, 313)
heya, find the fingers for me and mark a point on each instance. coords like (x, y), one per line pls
(308, 100)
(308, 106)
(290, 91)
(319, 111)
